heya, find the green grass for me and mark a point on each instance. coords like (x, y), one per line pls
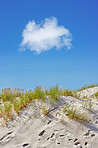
(65, 107)
(88, 86)
(96, 95)
(10, 94)
(75, 114)
(88, 105)
(45, 110)
(16, 105)
(13, 104)
(6, 111)
(53, 93)
(84, 97)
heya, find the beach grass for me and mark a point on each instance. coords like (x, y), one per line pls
(74, 113)
(87, 86)
(45, 110)
(14, 100)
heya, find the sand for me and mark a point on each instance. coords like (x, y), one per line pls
(31, 129)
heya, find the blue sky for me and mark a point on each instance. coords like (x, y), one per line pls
(69, 68)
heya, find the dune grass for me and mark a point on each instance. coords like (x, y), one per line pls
(95, 95)
(45, 110)
(75, 114)
(88, 105)
(17, 99)
(13, 100)
(84, 97)
(6, 112)
(88, 86)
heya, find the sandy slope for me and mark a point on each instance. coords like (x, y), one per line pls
(33, 130)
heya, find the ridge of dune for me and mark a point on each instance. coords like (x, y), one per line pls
(32, 129)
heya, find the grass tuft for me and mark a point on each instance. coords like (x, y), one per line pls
(75, 114)
(45, 110)
(88, 86)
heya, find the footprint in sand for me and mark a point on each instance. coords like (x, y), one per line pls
(77, 143)
(52, 136)
(58, 143)
(75, 140)
(87, 134)
(92, 135)
(49, 122)
(96, 122)
(42, 132)
(26, 145)
(61, 135)
(86, 143)
(69, 139)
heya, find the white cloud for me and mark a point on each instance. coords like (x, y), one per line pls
(45, 36)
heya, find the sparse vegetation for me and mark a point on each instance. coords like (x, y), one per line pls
(53, 93)
(95, 95)
(67, 92)
(6, 111)
(39, 93)
(75, 114)
(16, 105)
(88, 86)
(13, 100)
(88, 105)
(45, 110)
(84, 97)
(10, 95)
(62, 119)
(65, 107)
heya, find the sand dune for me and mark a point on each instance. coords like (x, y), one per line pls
(32, 129)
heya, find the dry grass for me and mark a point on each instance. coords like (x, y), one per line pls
(16, 99)
(88, 86)
(75, 114)
(45, 110)
(88, 105)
